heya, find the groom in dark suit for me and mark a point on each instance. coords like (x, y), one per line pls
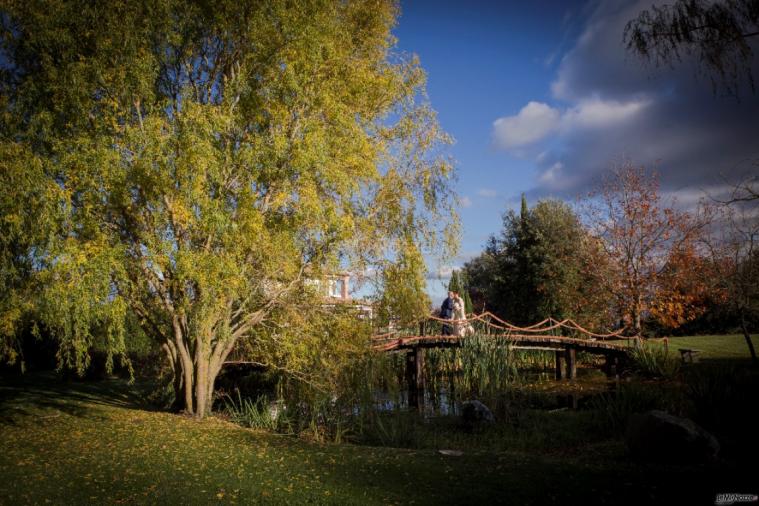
(446, 313)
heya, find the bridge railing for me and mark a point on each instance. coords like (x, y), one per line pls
(489, 324)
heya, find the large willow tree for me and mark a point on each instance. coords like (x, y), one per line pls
(195, 164)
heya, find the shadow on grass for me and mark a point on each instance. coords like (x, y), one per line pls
(43, 396)
(231, 457)
(605, 476)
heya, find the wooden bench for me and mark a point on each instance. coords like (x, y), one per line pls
(688, 355)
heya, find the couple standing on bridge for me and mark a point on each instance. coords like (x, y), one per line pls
(453, 309)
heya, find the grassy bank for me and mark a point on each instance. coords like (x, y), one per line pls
(79, 443)
(732, 346)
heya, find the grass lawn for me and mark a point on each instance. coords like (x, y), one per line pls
(93, 443)
(732, 346)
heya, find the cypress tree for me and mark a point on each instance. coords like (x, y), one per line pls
(453, 284)
(464, 283)
(459, 285)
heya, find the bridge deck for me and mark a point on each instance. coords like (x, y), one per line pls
(521, 340)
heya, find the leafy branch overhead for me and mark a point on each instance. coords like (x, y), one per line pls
(719, 34)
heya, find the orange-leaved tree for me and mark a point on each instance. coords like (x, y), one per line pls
(649, 245)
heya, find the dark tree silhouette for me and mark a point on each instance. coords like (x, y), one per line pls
(719, 34)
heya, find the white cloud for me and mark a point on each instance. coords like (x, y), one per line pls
(559, 88)
(690, 198)
(552, 174)
(443, 272)
(466, 202)
(538, 121)
(487, 193)
(606, 105)
(533, 123)
(597, 113)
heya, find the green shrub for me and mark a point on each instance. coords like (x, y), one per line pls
(159, 393)
(612, 410)
(254, 414)
(654, 361)
(488, 366)
(720, 395)
(396, 430)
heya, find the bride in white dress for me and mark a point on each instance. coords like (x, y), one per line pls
(461, 328)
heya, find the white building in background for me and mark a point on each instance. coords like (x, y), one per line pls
(336, 289)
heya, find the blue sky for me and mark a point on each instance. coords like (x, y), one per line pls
(542, 98)
(484, 60)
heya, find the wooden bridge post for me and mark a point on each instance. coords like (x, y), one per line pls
(559, 365)
(415, 377)
(611, 365)
(411, 379)
(570, 357)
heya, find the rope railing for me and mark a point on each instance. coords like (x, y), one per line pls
(547, 325)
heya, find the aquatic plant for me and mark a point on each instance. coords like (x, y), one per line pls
(257, 414)
(612, 410)
(654, 361)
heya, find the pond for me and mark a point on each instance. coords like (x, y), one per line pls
(535, 389)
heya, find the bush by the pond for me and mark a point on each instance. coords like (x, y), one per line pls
(721, 396)
(366, 402)
(256, 414)
(395, 430)
(349, 408)
(612, 410)
(654, 361)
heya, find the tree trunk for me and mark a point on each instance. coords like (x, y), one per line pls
(177, 380)
(201, 378)
(195, 396)
(207, 368)
(186, 366)
(195, 374)
(636, 315)
(176, 406)
(747, 336)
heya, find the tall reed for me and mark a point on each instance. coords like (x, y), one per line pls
(256, 414)
(654, 361)
(483, 366)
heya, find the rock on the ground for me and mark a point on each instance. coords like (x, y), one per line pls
(659, 436)
(476, 412)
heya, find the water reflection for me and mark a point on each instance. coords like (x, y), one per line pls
(535, 390)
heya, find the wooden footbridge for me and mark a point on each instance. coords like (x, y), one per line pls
(564, 337)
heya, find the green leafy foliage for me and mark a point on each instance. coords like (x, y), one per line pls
(28, 220)
(404, 296)
(199, 169)
(540, 266)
